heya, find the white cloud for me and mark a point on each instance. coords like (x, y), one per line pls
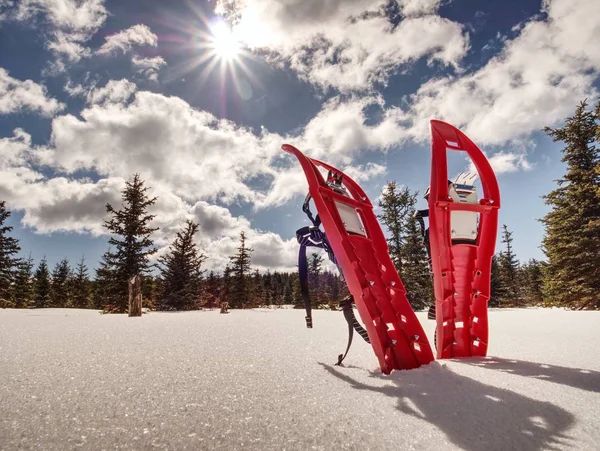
(364, 172)
(124, 41)
(504, 162)
(17, 96)
(148, 67)
(115, 91)
(535, 81)
(71, 22)
(346, 45)
(418, 7)
(168, 142)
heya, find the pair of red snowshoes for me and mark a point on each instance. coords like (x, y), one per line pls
(462, 237)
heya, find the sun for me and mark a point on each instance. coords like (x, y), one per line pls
(224, 43)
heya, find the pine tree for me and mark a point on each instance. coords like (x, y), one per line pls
(211, 291)
(106, 290)
(397, 206)
(9, 248)
(315, 288)
(226, 285)
(416, 276)
(42, 285)
(80, 290)
(181, 271)
(240, 274)
(23, 286)
(509, 270)
(533, 280)
(131, 234)
(497, 286)
(572, 235)
(59, 291)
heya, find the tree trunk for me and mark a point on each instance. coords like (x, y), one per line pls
(135, 296)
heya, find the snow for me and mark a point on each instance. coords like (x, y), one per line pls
(258, 379)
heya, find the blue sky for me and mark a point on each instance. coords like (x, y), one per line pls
(198, 96)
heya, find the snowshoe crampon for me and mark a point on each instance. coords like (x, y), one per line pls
(462, 234)
(361, 251)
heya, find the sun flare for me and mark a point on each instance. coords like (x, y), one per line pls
(224, 42)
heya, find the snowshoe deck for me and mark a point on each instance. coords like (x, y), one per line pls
(361, 250)
(461, 271)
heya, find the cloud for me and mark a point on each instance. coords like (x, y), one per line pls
(71, 23)
(418, 7)
(533, 82)
(148, 67)
(504, 162)
(165, 140)
(115, 91)
(345, 45)
(17, 96)
(124, 41)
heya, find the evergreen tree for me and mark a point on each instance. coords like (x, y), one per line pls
(258, 289)
(509, 270)
(416, 276)
(211, 291)
(80, 286)
(106, 287)
(397, 207)
(59, 291)
(497, 286)
(133, 246)
(315, 289)
(533, 280)
(226, 285)
(181, 271)
(23, 286)
(240, 274)
(9, 248)
(42, 285)
(572, 236)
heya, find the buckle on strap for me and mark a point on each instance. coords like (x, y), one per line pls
(308, 322)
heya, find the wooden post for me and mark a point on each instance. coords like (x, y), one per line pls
(135, 296)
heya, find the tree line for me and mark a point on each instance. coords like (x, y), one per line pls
(569, 277)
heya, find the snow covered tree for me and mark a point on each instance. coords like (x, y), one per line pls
(9, 248)
(60, 290)
(182, 271)
(572, 228)
(42, 285)
(509, 270)
(80, 286)
(240, 292)
(131, 237)
(397, 207)
(23, 286)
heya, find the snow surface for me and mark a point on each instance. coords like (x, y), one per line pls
(258, 379)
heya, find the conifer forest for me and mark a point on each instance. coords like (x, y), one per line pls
(568, 277)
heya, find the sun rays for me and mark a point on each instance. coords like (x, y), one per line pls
(210, 49)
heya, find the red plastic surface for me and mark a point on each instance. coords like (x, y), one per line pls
(461, 272)
(394, 330)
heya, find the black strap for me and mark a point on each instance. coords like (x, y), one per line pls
(313, 236)
(303, 275)
(306, 209)
(353, 325)
(310, 236)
